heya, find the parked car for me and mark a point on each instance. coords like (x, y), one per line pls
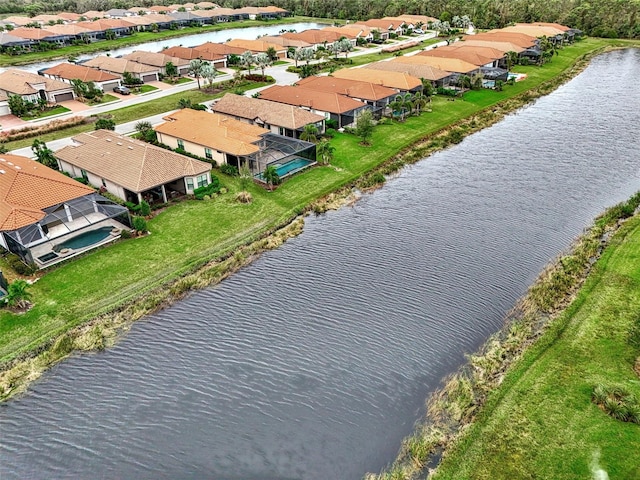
(418, 31)
(122, 90)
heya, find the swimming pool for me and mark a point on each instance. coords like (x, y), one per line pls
(85, 239)
(290, 167)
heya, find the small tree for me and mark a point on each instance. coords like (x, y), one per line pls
(146, 131)
(247, 60)
(18, 106)
(139, 224)
(245, 178)
(364, 126)
(79, 88)
(272, 54)
(209, 72)
(263, 61)
(195, 68)
(109, 35)
(309, 133)
(105, 124)
(18, 294)
(170, 69)
(271, 176)
(324, 152)
(184, 103)
(345, 47)
(44, 154)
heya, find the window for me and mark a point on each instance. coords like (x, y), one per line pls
(104, 184)
(202, 181)
(208, 153)
(281, 131)
(190, 184)
(84, 174)
(181, 144)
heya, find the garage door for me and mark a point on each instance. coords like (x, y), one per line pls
(149, 78)
(4, 109)
(61, 97)
(108, 87)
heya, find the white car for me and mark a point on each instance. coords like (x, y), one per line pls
(418, 31)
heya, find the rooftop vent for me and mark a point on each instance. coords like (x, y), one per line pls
(18, 167)
(130, 147)
(108, 139)
(119, 143)
(9, 163)
(1, 171)
(2, 160)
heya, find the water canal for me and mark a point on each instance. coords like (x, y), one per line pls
(314, 362)
(249, 33)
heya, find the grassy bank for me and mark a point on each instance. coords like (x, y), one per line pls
(188, 235)
(541, 422)
(142, 37)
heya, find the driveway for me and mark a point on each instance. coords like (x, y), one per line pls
(9, 122)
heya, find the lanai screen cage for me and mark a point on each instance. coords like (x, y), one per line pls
(72, 216)
(279, 149)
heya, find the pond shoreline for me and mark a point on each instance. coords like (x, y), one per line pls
(101, 331)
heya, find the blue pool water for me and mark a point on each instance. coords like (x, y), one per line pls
(85, 239)
(290, 167)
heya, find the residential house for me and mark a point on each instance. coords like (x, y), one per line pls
(150, 21)
(259, 12)
(317, 38)
(285, 42)
(118, 13)
(66, 72)
(93, 15)
(159, 60)
(400, 82)
(385, 27)
(48, 19)
(160, 9)
(38, 35)
(419, 21)
(434, 75)
(185, 19)
(118, 66)
(377, 96)
(41, 209)
(191, 53)
(279, 118)
(98, 28)
(339, 108)
(4, 104)
(33, 87)
(454, 65)
(70, 32)
(69, 16)
(18, 20)
(11, 44)
(209, 17)
(207, 5)
(469, 54)
(257, 46)
(353, 31)
(553, 34)
(271, 11)
(131, 169)
(522, 39)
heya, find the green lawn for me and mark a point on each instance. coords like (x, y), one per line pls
(47, 113)
(540, 423)
(187, 234)
(179, 81)
(144, 89)
(106, 98)
(281, 62)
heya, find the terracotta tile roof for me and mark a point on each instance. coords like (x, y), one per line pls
(350, 88)
(18, 20)
(285, 42)
(520, 39)
(220, 49)
(222, 11)
(273, 9)
(310, 98)
(188, 53)
(155, 59)
(7, 39)
(159, 8)
(27, 187)
(503, 46)
(446, 64)
(118, 65)
(67, 29)
(379, 24)
(69, 16)
(418, 18)
(391, 79)
(44, 18)
(426, 72)
(489, 52)
(314, 36)
(534, 30)
(141, 20)
(212, 130)
(204, 13)
(559, 26)
(254, 45)
(272, 113)
(350, 31)
(20, 82)
(32, 33)
(104, 24)
(93, 14)
(71, 71)
(132, 164)
(207, 5)
(466, 54)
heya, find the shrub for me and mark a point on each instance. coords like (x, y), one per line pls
(124, 234)
(144, 209)
(139, 224)
(244, 197)
(208, 190)
(17, 265)
(82, 180)
(114, 199)
(617, 402)
(105, 124)
(230, 170)
(331, 123)
(329, 133)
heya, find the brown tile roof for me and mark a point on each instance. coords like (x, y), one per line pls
(418, 18)
(426, 72)
(118, 65)
(489, 52)
(93, 14)
(379, 24)
(466, 54)
(314, 36)
(44, 18)
(350, 31)
(212, 130)
(391, 79)
(520, 39)
(71, 71)
(142, 20)
(27, 187)
(207, 5)
(132, 164)
(314, 99)
(159, 8)
(285, 42)
(104, 24)
(18, 20)
(254, 45)
(534, 30)
(19, 82)
(220, 49)
(446, 64)
(155, 59)
(272, 113)
(504, 46)
(188, 53)
(350, 88)
(559, 26)
(69, 16)
(273, 9)
(67, 29)
(32, 33)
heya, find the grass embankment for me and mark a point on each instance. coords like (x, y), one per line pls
(541, 422)
(143, 37)
(188, 235)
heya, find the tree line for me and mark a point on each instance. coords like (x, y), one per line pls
(602, 18)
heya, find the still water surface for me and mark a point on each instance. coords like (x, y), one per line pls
(315, 361)
(249, 33)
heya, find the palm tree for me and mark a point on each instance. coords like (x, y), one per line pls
(209, 72)
(407, 103)
(420, 101)
(396, 105)
(346, 47)
(512, 59)
(247, 60)
(308, 54)
(271, 176)
(184, 103)
(79, 88)
(263, 61)
(324, 152)
(298, 54)
(44, 154)
(195, 68)
(17, 294)
(309, 133)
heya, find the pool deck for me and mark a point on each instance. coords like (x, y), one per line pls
(47, 247)
(288, 174)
